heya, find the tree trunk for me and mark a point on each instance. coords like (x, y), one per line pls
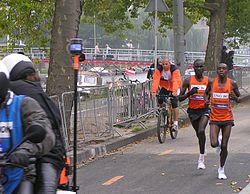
(218, 10)
(66, 23)
(65, 26)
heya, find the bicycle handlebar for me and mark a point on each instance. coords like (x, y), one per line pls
(134, 81)
(164, 96)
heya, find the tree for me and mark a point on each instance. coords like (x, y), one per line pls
(66, 23)
(31, 21)
(27, 20)
(217, 20)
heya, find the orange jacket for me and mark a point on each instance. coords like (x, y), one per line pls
(172, 83)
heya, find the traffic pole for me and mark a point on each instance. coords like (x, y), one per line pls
(76, 69)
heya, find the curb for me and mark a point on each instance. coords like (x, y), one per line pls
(92, 151)
(245, 190)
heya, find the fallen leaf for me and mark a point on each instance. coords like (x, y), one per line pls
(233, 183)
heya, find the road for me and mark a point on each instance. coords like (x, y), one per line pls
(148, 167)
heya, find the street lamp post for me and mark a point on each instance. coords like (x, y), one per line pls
(156, 6)
(155, 31)
(94, 32)
(178, 27)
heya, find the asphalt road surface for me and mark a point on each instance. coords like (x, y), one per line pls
(148, 167)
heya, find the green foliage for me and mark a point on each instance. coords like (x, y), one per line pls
(31, 20)
(237, 24)
(26, 20)
(113, 15)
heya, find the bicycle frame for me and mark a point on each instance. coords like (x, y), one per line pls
(165, 119)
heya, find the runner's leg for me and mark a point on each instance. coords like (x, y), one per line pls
(214, 132)
(226, 131)
(201, 132)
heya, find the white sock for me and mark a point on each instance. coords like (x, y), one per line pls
(221, 169)
(176, 123)
(202, 157)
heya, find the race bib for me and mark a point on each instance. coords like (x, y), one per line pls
(5, 136)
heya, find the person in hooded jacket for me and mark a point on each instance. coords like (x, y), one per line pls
(24, 80)
(20, 115)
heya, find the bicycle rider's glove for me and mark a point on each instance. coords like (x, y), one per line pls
(193, 91)
(20, 157)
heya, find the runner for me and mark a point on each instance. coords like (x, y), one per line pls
(197, 110)
(221, 91)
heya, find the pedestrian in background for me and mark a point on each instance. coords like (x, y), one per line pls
(230, 63)
(152, 69)
(224, 55)
(108, 52)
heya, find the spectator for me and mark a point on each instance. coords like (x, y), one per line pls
(230, 63)
(108, 52)
(224, 54)
(229, 60)
(151, 70)
(97, 50)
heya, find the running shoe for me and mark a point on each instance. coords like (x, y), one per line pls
(201, 162)
(221, 174)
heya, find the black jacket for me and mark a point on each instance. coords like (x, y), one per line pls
(35, 91)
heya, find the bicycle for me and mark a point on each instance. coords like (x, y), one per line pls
(165, 120)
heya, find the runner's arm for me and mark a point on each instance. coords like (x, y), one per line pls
(236, 93)
(183, 95)
(207, 91)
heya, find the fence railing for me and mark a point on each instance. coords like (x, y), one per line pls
(102, 108)
(127, 55)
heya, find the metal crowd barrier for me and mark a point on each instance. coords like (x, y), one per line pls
(102, 108)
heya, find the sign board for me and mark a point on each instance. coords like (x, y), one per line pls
(161, 6)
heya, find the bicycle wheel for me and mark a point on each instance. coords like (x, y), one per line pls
(162, 126)
(173, 132)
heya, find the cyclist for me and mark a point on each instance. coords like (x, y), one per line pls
(168, 77)
(25, 81)
(221, 118)
(17, 115)
(197, 110)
